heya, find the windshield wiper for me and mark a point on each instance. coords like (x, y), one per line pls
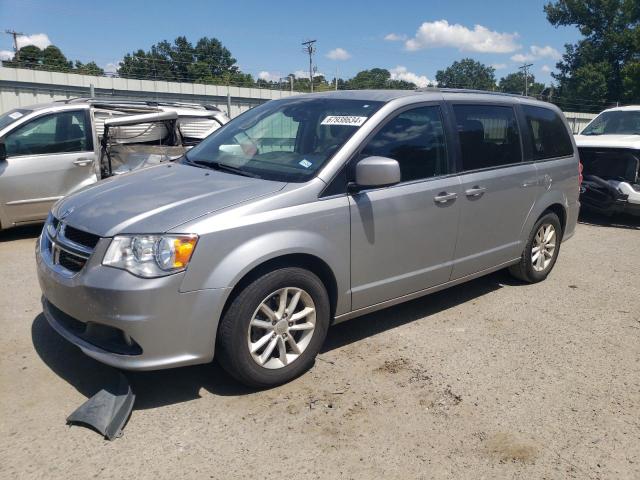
(230, 168)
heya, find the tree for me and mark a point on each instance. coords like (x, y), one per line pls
(376, 78)
(208, 62)
(90, 68)
(54, 59)
(514, 83)
(467, 73)
(602, 67)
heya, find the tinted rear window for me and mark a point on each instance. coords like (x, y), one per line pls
(549, 136)
(489, 136)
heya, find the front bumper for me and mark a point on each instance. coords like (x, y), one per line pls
(163, 326)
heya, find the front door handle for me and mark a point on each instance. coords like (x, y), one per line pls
(444, 197)
(476, 191)
(83, 162)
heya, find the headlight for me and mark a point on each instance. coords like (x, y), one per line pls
(150, 255)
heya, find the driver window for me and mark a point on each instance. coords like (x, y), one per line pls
(415, 138)
(63, 132)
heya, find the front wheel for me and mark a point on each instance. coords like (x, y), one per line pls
(541, 251)
(274, 328)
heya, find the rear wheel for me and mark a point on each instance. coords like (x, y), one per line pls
(541, 251)
(274, 328)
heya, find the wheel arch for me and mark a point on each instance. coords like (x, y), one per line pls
(301, 260)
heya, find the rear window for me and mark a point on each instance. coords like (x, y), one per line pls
(489, 136)
(549, 136)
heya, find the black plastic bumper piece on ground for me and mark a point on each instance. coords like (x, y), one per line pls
(107, 411)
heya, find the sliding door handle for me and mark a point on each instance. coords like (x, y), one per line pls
(476, 191)
(444, 197)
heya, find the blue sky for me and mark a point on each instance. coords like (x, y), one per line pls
(421, 36)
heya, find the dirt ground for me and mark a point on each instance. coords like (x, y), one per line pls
(492, 379)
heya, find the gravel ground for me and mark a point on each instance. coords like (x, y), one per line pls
(491, 379)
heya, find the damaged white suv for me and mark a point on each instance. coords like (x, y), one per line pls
(610, 153)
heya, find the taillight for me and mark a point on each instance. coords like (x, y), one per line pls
(580, 168)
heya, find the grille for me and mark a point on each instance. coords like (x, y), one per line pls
(71, 262)
(64, 248)
(83, 238)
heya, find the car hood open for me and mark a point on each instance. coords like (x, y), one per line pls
(157, 199)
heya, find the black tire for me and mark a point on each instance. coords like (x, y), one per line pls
(524, 270)
(232, 350)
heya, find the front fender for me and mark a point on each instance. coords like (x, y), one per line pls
(321, 229)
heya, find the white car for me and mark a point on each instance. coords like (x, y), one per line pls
(610, 153)
(50, 150)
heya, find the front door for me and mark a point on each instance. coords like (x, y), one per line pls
(47, 158)
(498, 190)
(403, 237)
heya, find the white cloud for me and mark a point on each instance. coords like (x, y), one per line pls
(339, 54)
(499, 66)
(442, 34)
(401, 73)
(6, 54)
(521, 58)
(394, 37)
(111, 68)
(546, 69)
(546, 51)
(536, 53)
(40, 40)
(305, 74)
(269, 76)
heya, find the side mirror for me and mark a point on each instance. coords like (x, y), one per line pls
(3, 150)
(377, 172)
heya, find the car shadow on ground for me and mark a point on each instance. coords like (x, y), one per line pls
(166, 387)
(617, 221)
(20, 233)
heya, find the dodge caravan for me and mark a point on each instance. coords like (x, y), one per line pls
(305, 212)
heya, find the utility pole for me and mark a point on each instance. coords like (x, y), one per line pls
(310, 49)
(14, 34)
(525, 69)
(336, 78)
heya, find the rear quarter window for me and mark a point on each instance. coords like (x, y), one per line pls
(549, 135)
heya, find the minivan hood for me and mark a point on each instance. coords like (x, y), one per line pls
(157, 199)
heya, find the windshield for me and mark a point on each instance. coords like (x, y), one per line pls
(284, 140)
(615, 123)
(11, 116)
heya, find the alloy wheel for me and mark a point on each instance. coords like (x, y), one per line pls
(281, 327)
(543, 247)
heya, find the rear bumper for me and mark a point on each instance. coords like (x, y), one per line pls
(128, 322)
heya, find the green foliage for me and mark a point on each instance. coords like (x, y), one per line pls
(467, 73)
(207, 62)
(514, 83)
(602, 68)
(90, 68)
(376, 78)
(51, 59)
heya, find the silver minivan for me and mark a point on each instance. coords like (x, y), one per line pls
(302, 213)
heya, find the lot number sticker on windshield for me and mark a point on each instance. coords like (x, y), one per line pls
(15, 115)
(349, 120)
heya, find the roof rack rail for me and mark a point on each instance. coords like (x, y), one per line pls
(468, 90)
(130, 101)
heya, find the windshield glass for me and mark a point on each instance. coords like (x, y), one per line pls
(11, 116)
(615, 123)
(284, 140)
